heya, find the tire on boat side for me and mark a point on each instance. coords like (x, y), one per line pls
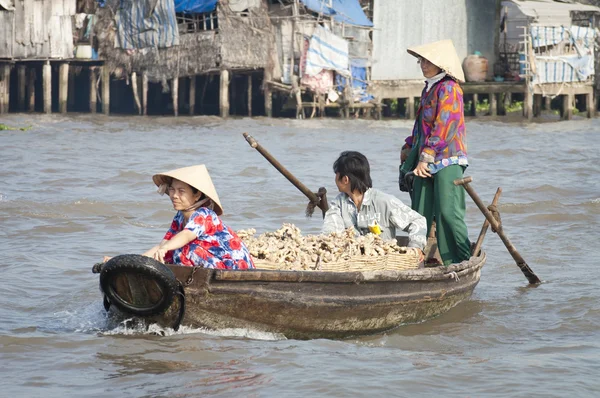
(147, 268)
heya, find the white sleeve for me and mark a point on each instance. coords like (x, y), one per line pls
(410, 221)
(333, 221)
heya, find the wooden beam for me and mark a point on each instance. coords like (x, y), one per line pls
(224, 94)
(268, 92)
(22, 78)
(528, 105)
(31, 89)
(47, 84)
(63, 87)
(93, 89)
(474, 103)
(493, 104)
(567, 113)
(105, 90)
(250, 95)
(192, 92)
(410, 108)
(136, 94)
(589, 104)
(175, 95)
(144, 93)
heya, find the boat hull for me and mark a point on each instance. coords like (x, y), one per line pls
(308, 304)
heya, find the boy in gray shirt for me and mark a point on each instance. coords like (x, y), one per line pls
(367, 209)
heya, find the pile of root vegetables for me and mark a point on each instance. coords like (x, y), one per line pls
(294, 251)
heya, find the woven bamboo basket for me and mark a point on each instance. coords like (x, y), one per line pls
(392, 261)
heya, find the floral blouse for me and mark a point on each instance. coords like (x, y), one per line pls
(444, 139)
(216, 245)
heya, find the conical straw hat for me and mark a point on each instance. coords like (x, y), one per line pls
(443, 55)
(195, 176)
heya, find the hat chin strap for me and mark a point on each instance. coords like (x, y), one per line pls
(199, 204)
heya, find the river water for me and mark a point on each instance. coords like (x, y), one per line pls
(75, 188)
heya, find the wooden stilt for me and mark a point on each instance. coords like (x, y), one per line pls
(567, 111)
(224, 94)
(268, 92)
(537, 105)
(589, 104)
(175, 95)
(47, 84)
(136, 94)
(232, 95)
(410, 108)
(547, 103)
(250, 95)
(105, 90)
(322, 105)
(71, 90)
(192, 94)
(474, 105)
(3, 84)
(207, 79)
(93, 89)
(63, 87)
(31, 89)
(528, 104)
(144, 93)
(22, 78)
(493, 105)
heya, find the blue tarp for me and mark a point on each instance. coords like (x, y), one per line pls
(143, 24)
(347, 11)
(195, 6)
(359, 81)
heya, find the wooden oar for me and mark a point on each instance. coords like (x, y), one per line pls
(486, 225)
(531, 277)
(319, 199)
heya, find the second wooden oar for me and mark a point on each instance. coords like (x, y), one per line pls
(531, 277)
(319, 200)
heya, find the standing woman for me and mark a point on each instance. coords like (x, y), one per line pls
(437, 150)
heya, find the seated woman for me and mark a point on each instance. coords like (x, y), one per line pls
(367, 209)
(197, 236)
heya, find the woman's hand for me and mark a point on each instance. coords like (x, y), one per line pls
(159, 254)
(105, 259)
(422, 170)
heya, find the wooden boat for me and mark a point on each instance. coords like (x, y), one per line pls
(297, 304)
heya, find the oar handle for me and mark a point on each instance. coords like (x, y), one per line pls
(322, 204)
(531, 277)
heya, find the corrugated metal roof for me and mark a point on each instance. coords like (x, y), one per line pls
(550, 9)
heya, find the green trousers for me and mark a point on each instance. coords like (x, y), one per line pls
(438, 197)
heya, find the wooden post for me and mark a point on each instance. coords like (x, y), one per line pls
(136, 94)
(207, 79)
(410, 107)
(537, 105)
(63, 87)
(144, 93)
(528, 104)
(175, 95)
(93, 89)
(47, 84)
(567, 111)
(547, 103)
(267, 76)
(31, 89)
(232, 96)
(493, 105)
(589, 103)
(224, 94)
(192, 94)
(22, 77)
(105, 90)
(7, 69)
(3, 83)
(249, 95)
(474, 105)
(71, 90)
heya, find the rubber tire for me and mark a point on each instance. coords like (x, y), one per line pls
(146, 266)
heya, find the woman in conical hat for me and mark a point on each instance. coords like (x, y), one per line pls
(197, 236)
(437, 150)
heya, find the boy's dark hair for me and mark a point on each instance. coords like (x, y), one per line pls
(356, 167)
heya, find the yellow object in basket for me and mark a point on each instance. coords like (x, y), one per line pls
(375, 228)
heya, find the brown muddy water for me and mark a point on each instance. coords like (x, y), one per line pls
(78, 187)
